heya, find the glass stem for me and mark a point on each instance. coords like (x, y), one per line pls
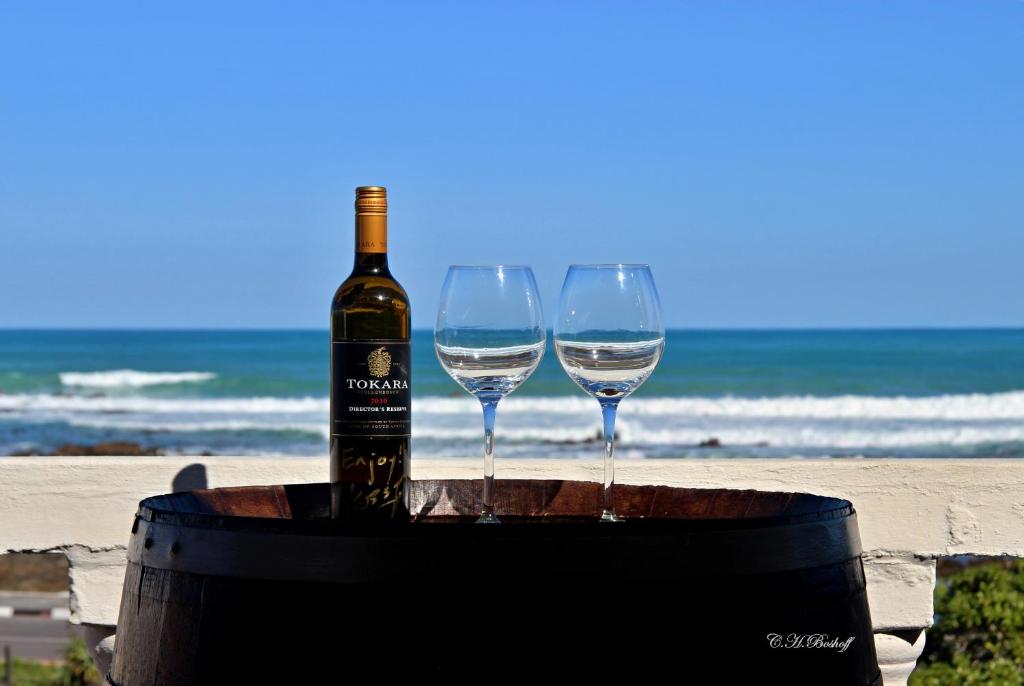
(490, 410)
(608, 410)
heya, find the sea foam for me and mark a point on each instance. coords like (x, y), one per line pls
(453, 425)
(977, 406)
(131, 378)
(136, 404)
(969, 407)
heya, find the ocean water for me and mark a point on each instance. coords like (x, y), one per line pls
(927, 393)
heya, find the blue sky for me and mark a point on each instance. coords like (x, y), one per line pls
(779, 164)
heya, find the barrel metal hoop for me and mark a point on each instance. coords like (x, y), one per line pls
(369, 559)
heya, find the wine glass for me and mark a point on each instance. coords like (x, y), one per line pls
(609, 338)
(489, 337)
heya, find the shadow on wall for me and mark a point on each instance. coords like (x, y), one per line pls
(190, 478)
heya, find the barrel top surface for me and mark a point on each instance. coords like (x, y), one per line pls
(284, 531)
(303, 508)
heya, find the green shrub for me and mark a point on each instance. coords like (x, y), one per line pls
(978, 636)
(25, 673)
(78, 667)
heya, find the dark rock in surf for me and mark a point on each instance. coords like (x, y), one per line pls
(111, 448)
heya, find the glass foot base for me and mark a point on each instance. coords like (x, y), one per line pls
(609, 516)
(488, 518)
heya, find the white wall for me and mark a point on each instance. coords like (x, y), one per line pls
(910, 511)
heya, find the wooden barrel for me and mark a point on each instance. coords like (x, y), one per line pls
(256, 585)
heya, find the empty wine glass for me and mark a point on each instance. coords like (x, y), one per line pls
(489, 337)
(609, 338)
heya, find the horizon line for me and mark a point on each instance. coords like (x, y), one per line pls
(297, 329)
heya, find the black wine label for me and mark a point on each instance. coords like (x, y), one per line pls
(370, 392)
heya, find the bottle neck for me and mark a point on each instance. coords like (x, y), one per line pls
(371, 263)
(371, 244)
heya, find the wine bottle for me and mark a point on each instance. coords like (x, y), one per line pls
(370, 377)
